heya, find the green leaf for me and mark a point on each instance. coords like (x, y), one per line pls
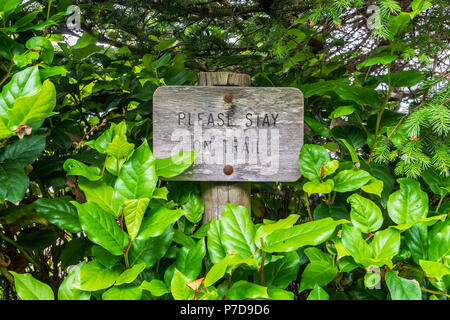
(152, 249)
(352, 134)
(374, 186)
(365, 214)
(360, 95)
(192, 205)
(402, 289)
(355, 245)
(133, 212)
(371, 279)
(317, 127)
(226, 265)
(44, 46)
(119, 147)
(9, 48)
(320, 271)
(24, 151)
(439, 241)
(416, 238)
(28, 288)
(137, 179)
(384, 246)
(318, 294)
(409, 203)
(408, 78)
(342, 111)
(104, 257)
(179, 287)
(101, 228)
(375, 60)
(129, 275)
(434, 269)
(77, 168)
(426, 221)
(216, 249)
(310, 233)
(282, 272)
(311, 159)
(73, 252)
(23, 84)
(14, 180)
(67, 290)
(330, 167)
(100, 193)
(350, 180)
(60, 212)
(244, 290)
(95, 276)
(318, 187)
(157, 221)
(279, 294)
(238, 230)
(123, 293)
(175, 165)
(156, 287)
(266, 229)
(8, 6)
(190, 261)
(164, 60)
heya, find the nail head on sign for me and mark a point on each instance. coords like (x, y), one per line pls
(228, 170)
(228, 97)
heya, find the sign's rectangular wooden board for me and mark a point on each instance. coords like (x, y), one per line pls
(259, 133)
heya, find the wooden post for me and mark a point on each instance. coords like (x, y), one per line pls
(216, 194)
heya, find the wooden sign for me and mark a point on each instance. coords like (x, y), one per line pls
(241, 133)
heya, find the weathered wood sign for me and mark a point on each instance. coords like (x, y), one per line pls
(241, 133)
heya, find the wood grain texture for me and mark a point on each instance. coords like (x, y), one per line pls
(269, 120)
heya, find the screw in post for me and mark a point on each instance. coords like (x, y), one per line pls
(228, 170)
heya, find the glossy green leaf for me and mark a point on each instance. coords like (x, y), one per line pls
(23, 84)
(318, 187)
(266, 229)
(350, 180)
(14, 181)
(152, 249)
(100, 193)
(374, 186)
(179, 287)
(157, 221)
(156, 287)
(434, 269)
(409, 203)
(123, 293)
(24, 151)
(310, 233)
(226, 265)
(60, 212)
(95, 276)
(342, 111)
(320, 271)
(129, 275)
(101, 228)
(311, 159)
(175, 165)
(365, 214)
(401, 288)
(44, 46)
(381, 59)
(133, 211)
(216, 249)
(244, 290)
(28, 288)
(190, 261)
(68, 291)
(282, 272)
(77, 168)
(318, 294)
(119, 147)
(238, 230)
(137, 179)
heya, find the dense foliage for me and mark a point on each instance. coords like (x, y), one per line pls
(84, 211)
